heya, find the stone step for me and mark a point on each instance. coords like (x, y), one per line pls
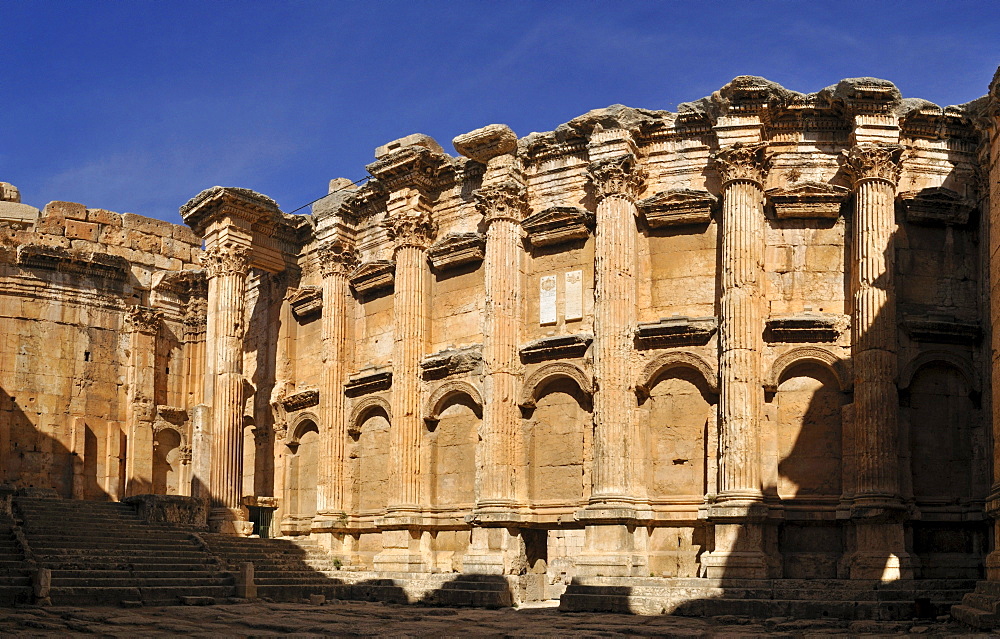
(150, 581)
(110, 546)
(11, 595)
(974, 617)
(97, 562)
(143, 572)
(86, 595)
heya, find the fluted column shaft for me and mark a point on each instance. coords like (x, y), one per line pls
(142, 324)
(226, 268)
(501, 323)
(740, 336)
(617, 182)
(336, 260)
(874, 340)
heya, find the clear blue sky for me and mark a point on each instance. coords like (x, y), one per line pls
(138, 105)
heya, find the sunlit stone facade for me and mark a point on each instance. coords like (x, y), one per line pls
(746, 340)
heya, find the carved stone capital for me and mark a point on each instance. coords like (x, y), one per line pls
(411, 227)
(873, 162)
(337, 257)
(142, 319)
(226, 259)
(746, 162)
(619, 177)
(505, 201)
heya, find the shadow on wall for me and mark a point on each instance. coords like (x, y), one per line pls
(75, 457)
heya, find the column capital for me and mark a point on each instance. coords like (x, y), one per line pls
(746, 162)
(215, 205)
(226, 259)
(337, 257)
(620, 176)
(482, 145)
(411, 227)
(873, 162)
(504, 201)
(411, 166)
(142, 319)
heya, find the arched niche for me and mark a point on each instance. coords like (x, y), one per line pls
(956, 361)
(368, 456)
(652, 372)
(542, 377)
(365, 406)
(453, 418)
(838, 367)
(445, 394)
(167, 443)
(303, 467)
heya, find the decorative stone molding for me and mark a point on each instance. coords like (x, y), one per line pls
(411, 227)
(300, 400)
(446, 391)
(226, 259)
(556, 347)
(456, 249)
(678, 207)
(676, 331)
(362, 407)
(873, 162)
(805, 327)
(337, 257)
(743, 162)
(557, 225)
(942, 329)
(373, 276)
(220, 200)
(306, 302)
(807, 200)
(840, 368)
(935, 206)
(507, 200)
(541, 377)
(410, 166)
(172, 414)
(617, 177)
(369, 381)
(652, 372)
(956, 361)
(452, 362)
(142, 319)
(82, 263)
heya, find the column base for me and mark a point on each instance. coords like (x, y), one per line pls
(495, 551)
(739, 542)
(613, 550)
(230, 521)
(879, 551)
(402, 551)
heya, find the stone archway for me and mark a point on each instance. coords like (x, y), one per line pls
(303, 474)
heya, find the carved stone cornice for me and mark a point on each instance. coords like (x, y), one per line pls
(337, 257)
(557, 225)
(456, 249)
(300, 400)
(617, 177)
(142, 319)
(452, 362)
(505, 201)
(63, 260)
(411, 166)
(935, 206)
(411, 227)
(675, 331)
(807, 200)
(226, 259)
(743, 162)
(873, 162)
(306, 302)
(805, 327)
(556, 347)
(368, 381)
(941, 329)
(373, 276)
(677, 207)
(220, 201)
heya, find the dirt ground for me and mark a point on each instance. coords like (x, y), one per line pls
(363, 619)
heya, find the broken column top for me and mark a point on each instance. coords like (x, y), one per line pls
(9, 193)
(202, 208)
(486, 143)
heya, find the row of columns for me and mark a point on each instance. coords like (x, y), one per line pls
(617, 180)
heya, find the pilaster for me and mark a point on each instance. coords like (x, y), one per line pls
(992, 171)
(142, 325)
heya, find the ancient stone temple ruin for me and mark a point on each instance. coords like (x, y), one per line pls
(646, 361)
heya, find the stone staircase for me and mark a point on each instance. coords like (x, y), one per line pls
(102, 553)
(15, 576)
(980, 609)
(763, 598)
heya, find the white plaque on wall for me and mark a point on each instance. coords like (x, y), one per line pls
(547, 300)
(574, 295)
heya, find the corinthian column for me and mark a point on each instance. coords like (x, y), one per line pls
(739, 511)
(336, 259)
(226, 267)
(142, 324)
(617, 182)
(877, 511)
